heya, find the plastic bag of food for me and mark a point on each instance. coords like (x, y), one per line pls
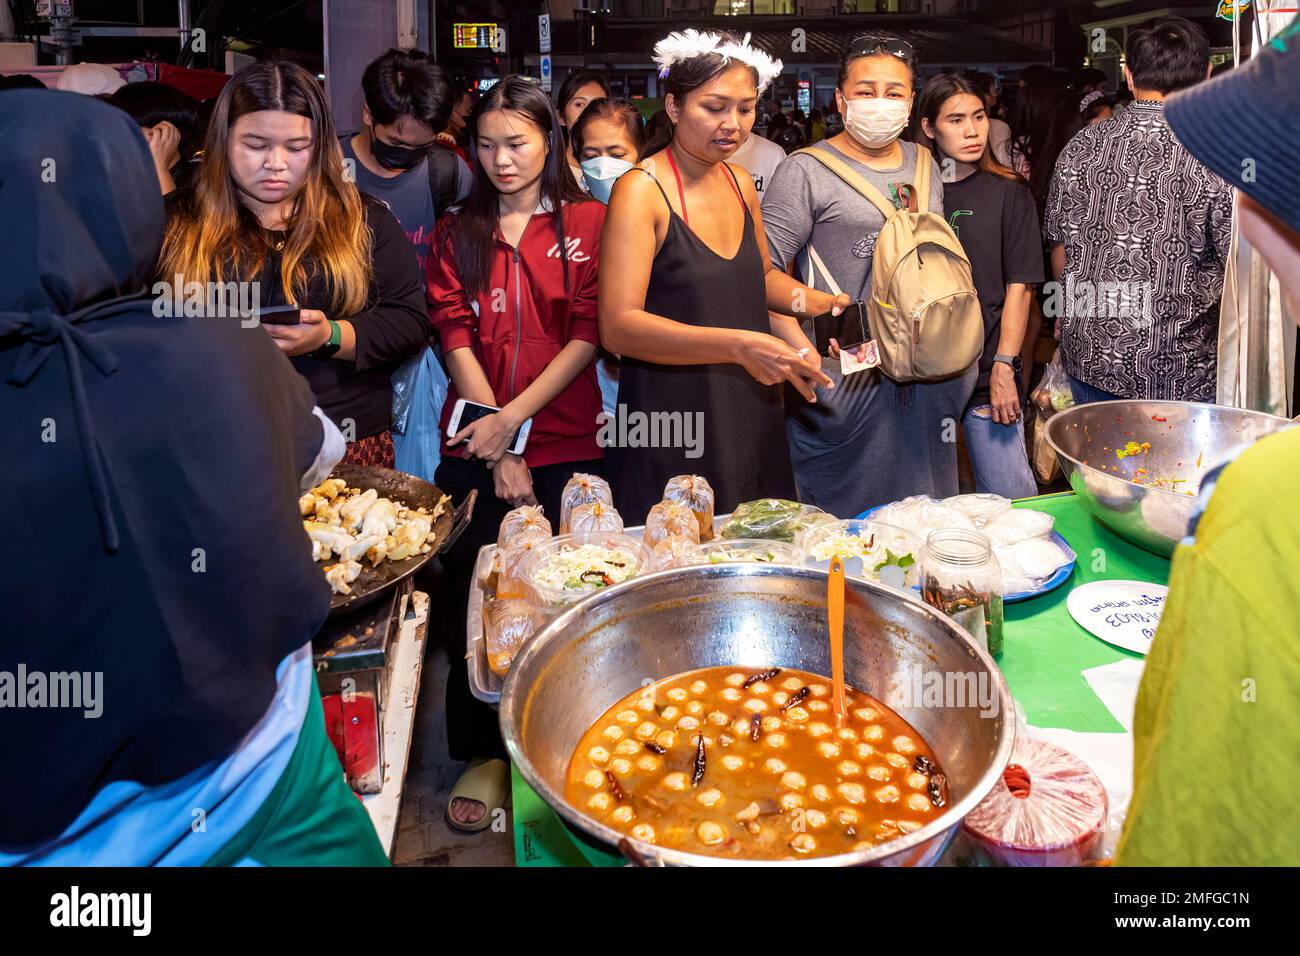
(1053, 392)
(1046, 466)
(595, 516)
(671, 519)
(675, 551)
(1016, 525)
(581, 490)
(508, 624)
(921, 515)
(697, 494)
(528, 518)
(767, 518)
(510, 563)
(980, 508)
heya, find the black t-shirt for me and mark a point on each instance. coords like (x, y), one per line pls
(997, 223)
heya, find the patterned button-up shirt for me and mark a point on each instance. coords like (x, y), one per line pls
(1146, 230)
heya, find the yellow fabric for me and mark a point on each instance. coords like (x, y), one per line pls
(1216, 755)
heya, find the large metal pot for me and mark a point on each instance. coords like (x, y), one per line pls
(1187, 440)
(757, 615)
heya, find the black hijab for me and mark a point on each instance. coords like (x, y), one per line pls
(153, 535)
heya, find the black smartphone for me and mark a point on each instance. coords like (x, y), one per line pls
(849, 328)
(464, 412)
(279, 315)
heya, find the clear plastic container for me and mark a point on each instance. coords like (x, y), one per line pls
(675, 551)
(960, 576)
(582, 489)
(759, 550)
(869, 549)
(566, 569)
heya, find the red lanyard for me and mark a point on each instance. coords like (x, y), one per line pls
(682, 195)
(678, 176)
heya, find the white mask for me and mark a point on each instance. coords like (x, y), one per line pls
(876, 122)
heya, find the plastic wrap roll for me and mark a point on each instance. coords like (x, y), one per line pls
(1047, 809)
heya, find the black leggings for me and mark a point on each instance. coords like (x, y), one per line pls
(472, 727)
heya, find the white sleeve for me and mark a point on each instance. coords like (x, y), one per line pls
(332, 448)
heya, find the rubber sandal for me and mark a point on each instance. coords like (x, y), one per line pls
(485, 781)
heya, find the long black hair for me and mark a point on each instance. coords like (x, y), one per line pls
(1032, 116)
(1066, 121)
(938, 90)
(476, 225)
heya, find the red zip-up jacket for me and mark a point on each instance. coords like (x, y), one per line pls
(525, 317)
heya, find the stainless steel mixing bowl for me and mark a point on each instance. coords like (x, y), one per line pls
(756, 616)
(1187, 440)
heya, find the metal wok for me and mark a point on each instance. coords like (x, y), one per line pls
(413, 492)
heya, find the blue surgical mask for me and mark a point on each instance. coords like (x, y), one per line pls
(600, 173)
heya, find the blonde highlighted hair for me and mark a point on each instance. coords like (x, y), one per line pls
(215, 238)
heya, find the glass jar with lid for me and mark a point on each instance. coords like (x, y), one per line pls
(961, 577)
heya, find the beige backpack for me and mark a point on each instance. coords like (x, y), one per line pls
(923, 312)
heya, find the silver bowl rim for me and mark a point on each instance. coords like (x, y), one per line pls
(1065, 413)
(939, 828)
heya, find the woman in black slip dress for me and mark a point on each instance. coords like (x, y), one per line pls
(703, 360)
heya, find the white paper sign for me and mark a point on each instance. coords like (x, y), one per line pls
(1123, 613)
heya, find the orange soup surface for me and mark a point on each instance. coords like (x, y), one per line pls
(778, 776)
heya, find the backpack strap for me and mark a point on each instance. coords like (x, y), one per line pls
(922, 178)
(815, 263)
(854, 179)
(442, 178)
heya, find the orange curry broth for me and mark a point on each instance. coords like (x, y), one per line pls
(806, 787)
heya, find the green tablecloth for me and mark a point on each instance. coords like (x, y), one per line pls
(1044, 653)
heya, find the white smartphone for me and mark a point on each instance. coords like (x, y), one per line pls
(467, 412)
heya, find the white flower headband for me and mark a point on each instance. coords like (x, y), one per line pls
(691, 43)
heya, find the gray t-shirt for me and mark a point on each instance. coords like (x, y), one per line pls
(869, 440)
(408, 196)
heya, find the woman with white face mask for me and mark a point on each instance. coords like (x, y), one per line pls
(869, 440)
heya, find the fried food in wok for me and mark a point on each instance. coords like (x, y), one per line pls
(352, 525)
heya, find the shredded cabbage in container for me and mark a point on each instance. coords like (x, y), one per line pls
(844, 544)
(586, 567)
(727, 555)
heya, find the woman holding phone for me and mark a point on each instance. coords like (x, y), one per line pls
(685, 302)
(512, 292)
(270, 205)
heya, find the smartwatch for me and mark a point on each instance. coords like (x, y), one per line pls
(335, 342)
(1013, 360)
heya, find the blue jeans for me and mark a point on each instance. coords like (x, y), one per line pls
(1085, 393)
(997, 454)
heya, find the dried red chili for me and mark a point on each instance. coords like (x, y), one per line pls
(795, 698)
(761, 677)
(614, 787)
(653, 747)
(699, 762)
(938, 790)
(755, 724)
